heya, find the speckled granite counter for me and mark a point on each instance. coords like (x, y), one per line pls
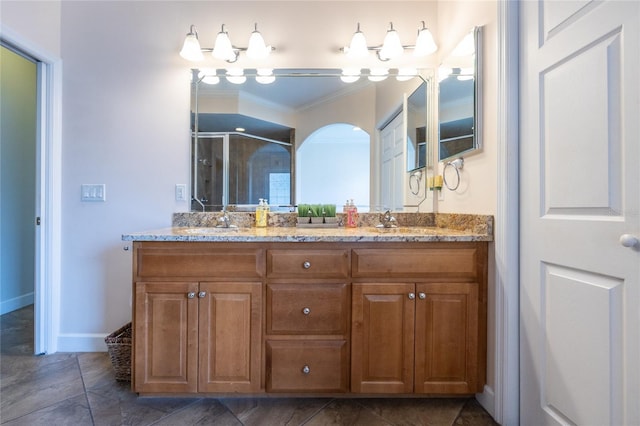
(425, 228)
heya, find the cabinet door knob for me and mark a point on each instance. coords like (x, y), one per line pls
(412, 296)
(191, 295)
(202, 294)
(422, 296)
(306, 265)
(306, 311)
(306, 369)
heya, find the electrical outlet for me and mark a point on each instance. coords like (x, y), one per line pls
(181, 192)
(93, 192)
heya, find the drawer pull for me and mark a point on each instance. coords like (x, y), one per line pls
(202, 294)
(306, 369)
(412, 296)
(306, 264)
(422, 296)
(191, 295)
(306, 311)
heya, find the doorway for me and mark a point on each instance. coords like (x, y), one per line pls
(19, 110)
(44, 217)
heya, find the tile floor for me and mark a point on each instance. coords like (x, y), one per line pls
(79, 389)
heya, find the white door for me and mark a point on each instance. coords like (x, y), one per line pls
(393, 157)
(580, 192)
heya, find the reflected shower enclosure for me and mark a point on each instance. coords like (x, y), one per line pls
(238, 169)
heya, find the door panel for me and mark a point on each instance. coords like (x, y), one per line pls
(230, 334)
(382, 335)
(580, 191)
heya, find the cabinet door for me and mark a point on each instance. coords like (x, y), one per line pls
(166, 335)
(382, 338)
(447, 338)
(230, 337)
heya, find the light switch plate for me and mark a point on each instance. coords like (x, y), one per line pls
(93, 192)
(181, 192)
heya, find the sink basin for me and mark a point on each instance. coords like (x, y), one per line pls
(210, 230)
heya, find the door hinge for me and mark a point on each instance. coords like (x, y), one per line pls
(38, 221)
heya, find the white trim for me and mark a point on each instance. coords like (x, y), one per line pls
(506, 401)
(11, 305)
(82, 342)
(47, 286)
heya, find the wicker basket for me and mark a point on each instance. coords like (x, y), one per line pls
(119, 347)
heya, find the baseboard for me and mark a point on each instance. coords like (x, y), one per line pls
(79, 342)
(11, 305)
(488, 400)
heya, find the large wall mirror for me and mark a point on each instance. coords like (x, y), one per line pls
(307, 136)
(459, 99)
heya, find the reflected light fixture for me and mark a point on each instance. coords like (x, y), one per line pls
(265, 76)
(466, 47)
(191, 50)
(350, 75)
(378, 74)
(236, 76)
(391, 47)
(223, 49)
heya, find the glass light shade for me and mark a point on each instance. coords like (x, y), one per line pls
(405, 74)
(392, 46)
(378, 74)
(265, 76)
(257, 48)
(358, 46)
(425, 45)
(191, 48)
(223, 48)
(350, 75)
(236, 76)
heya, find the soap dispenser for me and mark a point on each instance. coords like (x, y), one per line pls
(260, 214)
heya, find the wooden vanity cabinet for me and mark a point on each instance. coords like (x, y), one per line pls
(319, 318)
(419, 319)
(198, 335)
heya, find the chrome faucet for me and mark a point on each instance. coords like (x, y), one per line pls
(225, 221)
(387, 220)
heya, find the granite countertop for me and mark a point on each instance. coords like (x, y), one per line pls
(428, 227)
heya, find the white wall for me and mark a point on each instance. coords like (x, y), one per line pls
(477, 191)
(17, 180)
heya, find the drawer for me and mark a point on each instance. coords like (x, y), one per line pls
(447, 262)
(307, 366)
(195, 261)
(307, 263)
(315, 309)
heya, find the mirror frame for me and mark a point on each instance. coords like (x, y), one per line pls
(477, 103)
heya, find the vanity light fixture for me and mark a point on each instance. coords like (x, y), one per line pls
(191, 50)
(391, 47)
(350, 75)
(378, 74)
(223, 48)
(208, 76)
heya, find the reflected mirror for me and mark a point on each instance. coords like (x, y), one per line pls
(246, 138)
(417, 128)
(459, 99)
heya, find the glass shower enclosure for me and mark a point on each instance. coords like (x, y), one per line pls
(238, 169)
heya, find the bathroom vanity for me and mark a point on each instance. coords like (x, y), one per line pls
(309, 311)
